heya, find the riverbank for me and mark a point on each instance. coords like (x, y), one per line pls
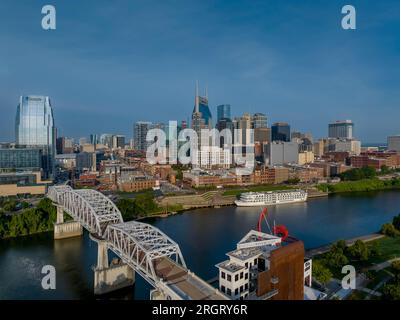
(349, 242)
(360, 186)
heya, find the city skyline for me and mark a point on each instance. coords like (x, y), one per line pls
(287, 68)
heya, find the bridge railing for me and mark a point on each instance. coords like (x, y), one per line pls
(91, 208)
(141, 245)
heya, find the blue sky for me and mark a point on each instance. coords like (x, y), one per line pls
(111, 63)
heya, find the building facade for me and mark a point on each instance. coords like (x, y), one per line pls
(279, 153)
(223, 111)
(17, 160)
(341, 129)
(140, 130)
(280, 131)
(259, 120)
(35, 128)
(393, 143)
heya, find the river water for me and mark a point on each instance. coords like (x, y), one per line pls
(204, 236)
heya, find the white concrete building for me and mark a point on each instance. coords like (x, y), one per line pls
(280, 153)
(213, 157)
(346, 145)
(394, 143)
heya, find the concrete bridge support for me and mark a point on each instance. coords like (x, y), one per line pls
(69, 229)
(108, 278)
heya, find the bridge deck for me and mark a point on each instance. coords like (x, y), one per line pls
(185, 284)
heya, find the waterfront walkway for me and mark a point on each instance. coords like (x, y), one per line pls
(320, 250)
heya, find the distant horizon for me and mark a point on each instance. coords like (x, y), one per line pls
(291, 61)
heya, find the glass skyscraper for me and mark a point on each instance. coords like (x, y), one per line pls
(280, 131)
(223, 111)
(259, 120)
(201, 107)
(204, 110)
(34, 128)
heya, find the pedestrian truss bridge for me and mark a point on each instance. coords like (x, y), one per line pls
(143, 247)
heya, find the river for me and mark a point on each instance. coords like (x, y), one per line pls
(204, 236)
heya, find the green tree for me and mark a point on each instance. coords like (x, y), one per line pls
(320, 272)
(359, 251)
(385, 169)
(336, 257)
(391, 291)
(389, 230)
(396, 222)
(293, 180)
(10, 205)
(339, 245)
(396, 270)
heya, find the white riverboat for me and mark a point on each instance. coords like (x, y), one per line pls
(255, 199)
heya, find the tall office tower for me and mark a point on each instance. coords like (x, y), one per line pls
(198, 121)
(106, 139)
(201, 106)
(222, 124)
(94, 139)
(244, 123)
(262, 135)
(341, 129)
(118, 141)
(259, 120)
(140, 130)
(280, 131)
(64, 145)
(394, 143)
(223, 111)
(34, 128)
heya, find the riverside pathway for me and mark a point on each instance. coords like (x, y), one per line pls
(320, 250)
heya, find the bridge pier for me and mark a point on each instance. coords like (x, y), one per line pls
(69, 229)
(108, 278)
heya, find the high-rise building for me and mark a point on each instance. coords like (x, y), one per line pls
(341, 129)
(106, 139)
(86, 161)
(201, 106)
(280, 131)
(223, 111)
(64, 145)
(34, 128)
(394, 143)
(94, 139)
(140, 130)
(259, 120)
(244, 123)
(262, 135)
(279, 153)
(118, 142)
(222, 124)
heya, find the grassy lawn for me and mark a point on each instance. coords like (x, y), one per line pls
(261, 188)
(389, 248)
(378, 277)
